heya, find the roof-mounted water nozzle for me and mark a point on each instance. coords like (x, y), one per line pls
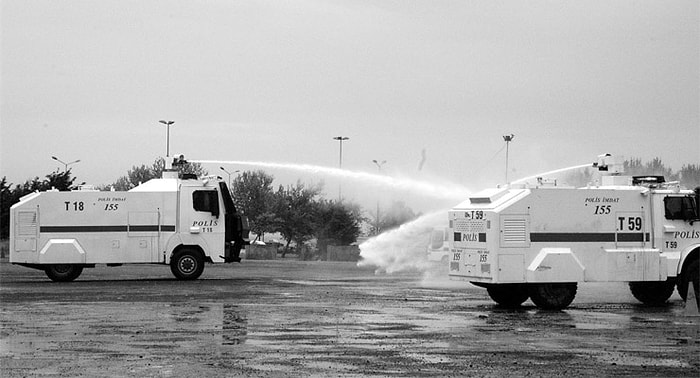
(611, 169)
(173, 171)
(611, 165)
(178, 161)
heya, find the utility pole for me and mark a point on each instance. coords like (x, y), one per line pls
(340, 161)
(508, 139)
(65, 165)
(167, 138)
(379, 168)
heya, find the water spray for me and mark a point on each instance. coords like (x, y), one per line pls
(405, 247)
(447, 191)
(402, 248)
(552, 172)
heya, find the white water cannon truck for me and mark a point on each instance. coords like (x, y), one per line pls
(539, 242)
(177, 220)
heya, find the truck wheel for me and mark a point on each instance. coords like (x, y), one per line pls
(508, 295)
(691, 274)
(652, 293)
(187, 264)
(552, 296)
(63, 272)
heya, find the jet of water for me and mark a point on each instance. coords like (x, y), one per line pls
(441, 190)
(552, 172)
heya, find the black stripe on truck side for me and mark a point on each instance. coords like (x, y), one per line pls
(557, 237)
(124, 228)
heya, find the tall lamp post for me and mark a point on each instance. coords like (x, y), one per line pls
(167, 137)
(65, 165)
(379, 169)
(507, 139)
(340, 159)
(229, 176)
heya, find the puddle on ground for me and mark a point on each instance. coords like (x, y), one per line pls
(124, 328)
(227, 321)
(626, 359)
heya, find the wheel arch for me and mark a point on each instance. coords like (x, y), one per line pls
(689, 257)
(193, 247)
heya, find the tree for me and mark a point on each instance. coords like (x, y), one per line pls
(633, 167)
(655, 167)
(295, 210)
(59, 180)
(395, 216)
(140, 174)
(191, 168)
(690, 175)
(6, 201)
(579, 177)
(636, 167)
(56, 180)
(338, 222)
(254, 196)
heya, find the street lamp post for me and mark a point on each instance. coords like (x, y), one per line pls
(379, 169)
(229, 176)
(65, 165)
(340, 159)
(167, 137)
(508, 139)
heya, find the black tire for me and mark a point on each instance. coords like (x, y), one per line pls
(690, 274)
(508, 295)
(63, 272)
(552, 296)
(187, 264)
(652, 293)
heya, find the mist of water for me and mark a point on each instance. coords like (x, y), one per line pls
(403, 248)
(438, 190)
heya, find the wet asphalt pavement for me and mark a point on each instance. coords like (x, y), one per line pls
(292, 318)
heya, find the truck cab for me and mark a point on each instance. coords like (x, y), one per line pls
(675, 231)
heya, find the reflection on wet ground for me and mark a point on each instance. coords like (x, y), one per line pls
(335, 325)
(137, 330)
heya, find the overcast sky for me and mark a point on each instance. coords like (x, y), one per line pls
(275, 81)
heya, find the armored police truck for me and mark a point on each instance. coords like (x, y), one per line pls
(180, 220)
(538, 241)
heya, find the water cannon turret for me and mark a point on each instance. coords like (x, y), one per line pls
(609, 164)
(178, 161)
(173, 171)
(611, 169)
